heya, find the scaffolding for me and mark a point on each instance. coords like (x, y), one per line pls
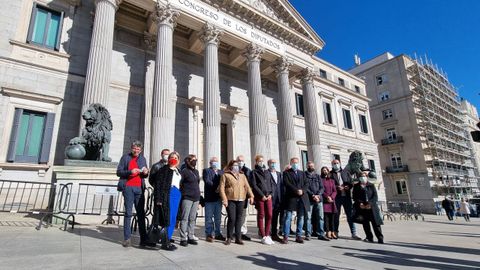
(438, 112)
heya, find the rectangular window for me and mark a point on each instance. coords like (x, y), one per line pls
(381, 79)
(304, 159)
(357, 88)
(363, 123)
(384, 96)
(341, 81)
(401, 187)
(336, 156)
(323, 73)
(387, 114)
(327, 113)
(371, 164)
(396, 160)
(45, 27)
(347, 119)
(391, 134)
(30, 137)
(299, 104)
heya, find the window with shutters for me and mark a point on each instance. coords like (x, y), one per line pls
(31, 137)
(327, 113)
(45, 27)
(363, 123)
(347, 119)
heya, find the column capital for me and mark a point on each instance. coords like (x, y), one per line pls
(253, 52)
(307, 75)
(114, 3)
(149, 40)
(210, 34)
(165, 14)
(282, 65)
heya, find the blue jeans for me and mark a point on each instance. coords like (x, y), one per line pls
(346, 202)
(175, 197)
(300, 220)
(134, 196)
(316, 209)
(213, 218)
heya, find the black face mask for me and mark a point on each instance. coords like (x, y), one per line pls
(193, 163)
(324, 175)
(310, 169)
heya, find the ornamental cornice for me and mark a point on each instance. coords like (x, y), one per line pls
(210, 34)
(307, 75)
(253, 52)
(149, 40)
(282, 65)
(165, 14)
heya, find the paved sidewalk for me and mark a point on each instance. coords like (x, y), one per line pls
(433, 244)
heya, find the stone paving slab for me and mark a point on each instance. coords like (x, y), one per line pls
(433, 244)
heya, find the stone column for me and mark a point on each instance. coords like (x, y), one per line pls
(161, 136)
(151, 44)
(257, 105)
(211, 93)
(288, 145)
(311, 117)
(97, 80)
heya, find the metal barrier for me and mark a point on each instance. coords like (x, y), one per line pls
(404, 210)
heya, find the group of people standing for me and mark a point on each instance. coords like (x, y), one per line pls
(316, 199)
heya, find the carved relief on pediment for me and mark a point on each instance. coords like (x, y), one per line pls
(265, 9)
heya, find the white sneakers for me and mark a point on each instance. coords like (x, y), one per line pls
(267, 240)
(194, 238)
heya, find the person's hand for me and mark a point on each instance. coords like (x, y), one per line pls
(300, 192)
(340, 187)
(144, 170)
(346, 187)
(225, 203)
(264, 198)
(251, 201)
(329, 199)
(136, 171)
(269, 197)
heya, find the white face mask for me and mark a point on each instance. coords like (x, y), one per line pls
(241, 164)
(260, 164)
(336, 166)
(165, 157)
(363, 179)
(235, 169)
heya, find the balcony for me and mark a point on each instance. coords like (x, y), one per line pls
(403, 168)
(398, 139)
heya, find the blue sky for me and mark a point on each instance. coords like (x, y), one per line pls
(447, 31)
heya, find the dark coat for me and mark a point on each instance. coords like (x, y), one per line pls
(122, 169)
(315, 185)
(329, 190)
(293, 182)
(211, 180)
(163, 183)
(190, 184)
(448, 205)
(278, 188)
(347, 181)
(261, 185)
(367, 195)
(154, 170)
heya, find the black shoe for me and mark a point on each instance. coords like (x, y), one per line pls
(322, 237)
(172, 241)
(220, 237)
(380, 241)
(184, 243)
(314, 234)
(307, 238)
(246, 237)
(147, 244)
(192, 242)
(368, 240)
(169, 247)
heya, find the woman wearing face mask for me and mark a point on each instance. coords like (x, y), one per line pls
(263, 191)
(234, 189)
(167, 197)
(365, 204)
(190, 189)
(329, 207)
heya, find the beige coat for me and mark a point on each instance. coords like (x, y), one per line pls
(234, 189)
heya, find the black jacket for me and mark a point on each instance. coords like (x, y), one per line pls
(448, 205)
(367, 194)
(315, 185)
(293, 182)
(347, 181)
(211, 181)
(261, 186)
(154, 170)
(161, 191)
(278, 188)
(190, 184)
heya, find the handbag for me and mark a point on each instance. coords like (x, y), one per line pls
(357, 216)
(154, 232)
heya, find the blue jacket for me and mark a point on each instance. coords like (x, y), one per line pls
(211, 181)
(278, 188)
(122, 169)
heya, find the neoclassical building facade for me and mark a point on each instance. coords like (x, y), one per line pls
(213, 78)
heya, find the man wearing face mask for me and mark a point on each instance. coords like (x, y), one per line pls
(296, 199)
(248, 173)
(315, 213)
(157, 166)
(344, 185)
(213, 204)
(365, 203)
(190, 189)
(276, 180)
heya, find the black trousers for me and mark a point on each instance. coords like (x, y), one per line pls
(277, 214)
(329, 221)
(234, 212)
(368, 218)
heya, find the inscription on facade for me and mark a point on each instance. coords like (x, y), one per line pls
(230, 24)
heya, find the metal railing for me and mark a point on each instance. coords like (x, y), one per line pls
(398, 139)
(403, 210)
(403, 168)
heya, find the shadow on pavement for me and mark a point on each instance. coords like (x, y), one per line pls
(457, 234)
(453, 223)
(437, 248)
(274, 262)
(410, 260)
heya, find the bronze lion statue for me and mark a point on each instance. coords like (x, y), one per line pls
(96, 136)
(355, 165)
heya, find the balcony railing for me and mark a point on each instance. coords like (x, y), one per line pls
(398, 139)
(403, 168)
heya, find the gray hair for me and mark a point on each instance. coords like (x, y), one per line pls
(137, 143)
